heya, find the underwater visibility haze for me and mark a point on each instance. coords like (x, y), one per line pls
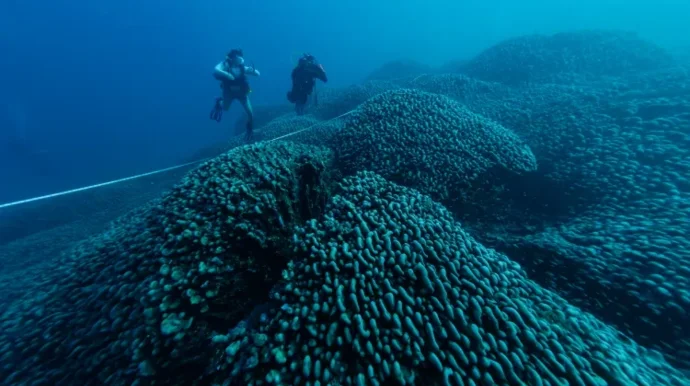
(386, 193)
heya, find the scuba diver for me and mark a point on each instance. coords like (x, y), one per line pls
(232, 74)
(303, 81)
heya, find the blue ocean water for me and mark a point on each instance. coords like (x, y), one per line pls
(483, 192)
(116, 88)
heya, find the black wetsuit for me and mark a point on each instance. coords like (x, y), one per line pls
(303, 80)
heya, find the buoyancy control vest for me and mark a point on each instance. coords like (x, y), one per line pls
(238, 86)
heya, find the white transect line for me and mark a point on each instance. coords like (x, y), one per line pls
(308, 128)
(15, 203)
(98, 185)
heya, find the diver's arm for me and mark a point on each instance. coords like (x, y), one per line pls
(251, 71)
(220, 74)
(318, 72)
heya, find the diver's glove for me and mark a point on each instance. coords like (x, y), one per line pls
(217, 111)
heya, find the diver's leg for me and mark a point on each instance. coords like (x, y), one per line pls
(302, 102)
(247, 104)
(228, 97)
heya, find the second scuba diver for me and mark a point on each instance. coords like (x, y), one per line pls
(303, 81)
(232, 74)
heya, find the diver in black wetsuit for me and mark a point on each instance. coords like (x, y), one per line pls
(303, 81)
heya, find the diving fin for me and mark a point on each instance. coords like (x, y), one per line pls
(217, 111)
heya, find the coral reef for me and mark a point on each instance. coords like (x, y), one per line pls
(432, 143)
(391, 290)
(482, 234)
(627, 264)
(141, 299)
(567, 57)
